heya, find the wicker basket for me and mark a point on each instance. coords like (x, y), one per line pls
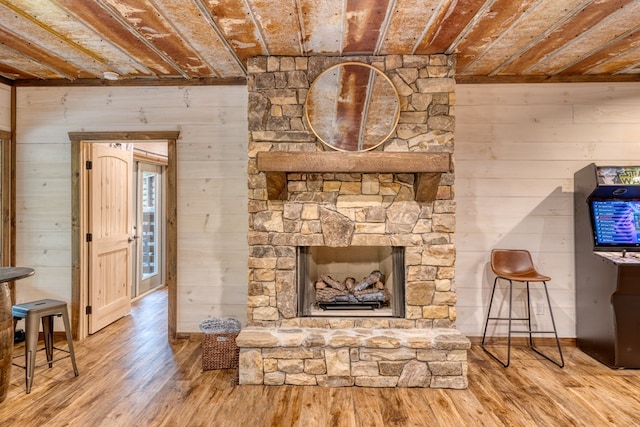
(219, 351)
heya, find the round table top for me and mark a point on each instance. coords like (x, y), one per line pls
(9, 274)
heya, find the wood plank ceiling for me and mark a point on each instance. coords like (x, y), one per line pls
(165, 41)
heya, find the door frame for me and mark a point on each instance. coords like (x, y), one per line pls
(8, 146)
(8, 199)
(79, 262)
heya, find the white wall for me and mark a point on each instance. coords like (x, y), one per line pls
(212, 186)
(517, 148)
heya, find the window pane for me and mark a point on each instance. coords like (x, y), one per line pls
(149, 224)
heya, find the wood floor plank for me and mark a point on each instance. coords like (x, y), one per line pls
(342, 411)
(328, 406)
(447, 413)
(557, 390)
(498, 388)
(368, 407)
(618, 405)
(417, 404)
(131, 375)
(473, 410)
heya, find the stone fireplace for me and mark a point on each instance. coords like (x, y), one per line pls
(303, 198)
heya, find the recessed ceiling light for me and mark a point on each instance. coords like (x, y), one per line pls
(110, 75)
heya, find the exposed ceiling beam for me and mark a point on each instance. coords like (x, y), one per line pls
(168, 39)
(206, 13)
(543, 35)
(454, 45)
(116, 15)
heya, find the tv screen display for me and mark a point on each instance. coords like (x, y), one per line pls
(616, 223)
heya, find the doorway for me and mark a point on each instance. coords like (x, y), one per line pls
(149, 228)
(79, 293)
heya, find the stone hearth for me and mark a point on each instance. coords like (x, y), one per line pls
(340, 209)
(344, 357)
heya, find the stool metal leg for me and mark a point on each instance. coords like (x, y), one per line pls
(30, 348)
(529, 316)
(486, 323)
(555, 332)
(47, 332)
(67, 328)
(510, 323)
(498, 318)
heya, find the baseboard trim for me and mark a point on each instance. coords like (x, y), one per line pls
(542, 341)
(520, 340)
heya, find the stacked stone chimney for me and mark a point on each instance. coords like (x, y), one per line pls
(423, 349)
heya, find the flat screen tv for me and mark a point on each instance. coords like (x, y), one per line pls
(615, 224)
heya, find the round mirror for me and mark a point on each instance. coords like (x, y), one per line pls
(352, 107)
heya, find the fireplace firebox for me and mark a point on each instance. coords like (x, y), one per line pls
(350, 281)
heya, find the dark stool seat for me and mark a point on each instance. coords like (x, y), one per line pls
(33, 313)
(516, 265)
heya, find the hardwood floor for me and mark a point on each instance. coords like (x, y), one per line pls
(131, 376)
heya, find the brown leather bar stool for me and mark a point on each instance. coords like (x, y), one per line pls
(34, 312)
(516, 265)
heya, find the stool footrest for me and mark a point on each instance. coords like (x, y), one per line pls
(55, 359)
(43, 364)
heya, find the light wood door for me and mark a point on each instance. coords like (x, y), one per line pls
(110, 226)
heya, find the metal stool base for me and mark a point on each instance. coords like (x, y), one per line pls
(42, 311)
(528, 331)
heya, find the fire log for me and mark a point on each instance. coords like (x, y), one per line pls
(350, 282)
(373, 278)
(372, 289)
(332, 282)
(372, 297)
(328, 294)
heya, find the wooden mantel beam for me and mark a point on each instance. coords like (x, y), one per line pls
(341, 162)
(428, 167)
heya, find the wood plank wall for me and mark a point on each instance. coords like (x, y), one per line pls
(212, 185)
(517, 148)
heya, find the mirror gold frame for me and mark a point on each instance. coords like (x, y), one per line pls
(352, 106)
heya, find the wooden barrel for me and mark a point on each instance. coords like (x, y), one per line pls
(6, 340)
